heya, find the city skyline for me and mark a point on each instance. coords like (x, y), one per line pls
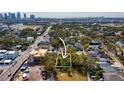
(71, 14)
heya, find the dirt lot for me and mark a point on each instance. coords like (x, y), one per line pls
(75, 77)
(34, 74)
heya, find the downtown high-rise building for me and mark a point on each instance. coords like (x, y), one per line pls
(32, 16)
(25, 16)
(13, 16)
(18, 15)
(5, 16)
(1, 16)
(9, 15)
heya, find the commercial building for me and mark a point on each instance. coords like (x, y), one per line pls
(2, 54)
(10, 55)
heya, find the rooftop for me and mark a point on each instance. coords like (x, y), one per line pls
(3, 51)
(39, 52)
(7, 61)
(11, 52)
(93, 42)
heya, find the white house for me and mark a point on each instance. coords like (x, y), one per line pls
(30, 39)
(120, 43)
(10, 55)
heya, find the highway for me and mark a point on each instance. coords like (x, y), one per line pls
(7, 75)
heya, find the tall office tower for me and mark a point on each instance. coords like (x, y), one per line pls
(13, 16)
(18, 15)
(25, 16)
(32, 16)
(9, 16)
(1, 16)
(5, 16)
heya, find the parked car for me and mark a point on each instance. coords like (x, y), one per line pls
(9, 74)
(24, 67)
(25, 76)
(26, 70)
(44, 75)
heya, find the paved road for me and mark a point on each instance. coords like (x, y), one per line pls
(5, 76)
(117, 62)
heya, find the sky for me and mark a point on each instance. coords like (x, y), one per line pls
(74, 14)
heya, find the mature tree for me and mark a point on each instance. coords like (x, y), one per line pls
(80, 62)
(28, 32)
(49, 62)
(85, 41)
(2, 34)
(56, 42)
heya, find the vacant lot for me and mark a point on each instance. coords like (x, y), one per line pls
(75, 77)
(34, 74)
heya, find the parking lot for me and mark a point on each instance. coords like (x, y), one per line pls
(34, 74)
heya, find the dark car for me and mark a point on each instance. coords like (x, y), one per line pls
(26, 70)
(44, 75)
(24, 67)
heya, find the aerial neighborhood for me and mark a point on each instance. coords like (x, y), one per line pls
(61, 49)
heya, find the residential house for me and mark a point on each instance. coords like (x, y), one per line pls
(120, 43)
(94, 44)
(30, 39)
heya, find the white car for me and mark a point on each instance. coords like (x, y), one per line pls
(25, 76)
